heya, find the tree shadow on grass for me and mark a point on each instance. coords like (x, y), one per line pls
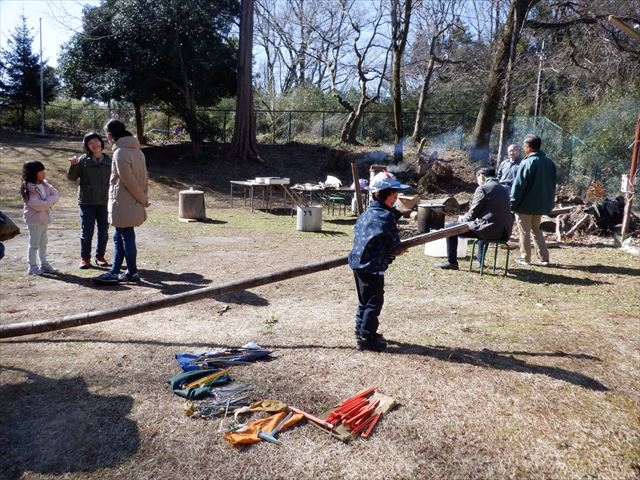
(602, 269)
(56, 426)
(168, 283)
(544, 276)
(497, 360)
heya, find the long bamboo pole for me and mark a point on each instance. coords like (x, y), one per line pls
(41, 326)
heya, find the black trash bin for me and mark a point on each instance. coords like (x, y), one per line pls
(430, 217)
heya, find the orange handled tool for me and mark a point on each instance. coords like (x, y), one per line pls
(311, 418)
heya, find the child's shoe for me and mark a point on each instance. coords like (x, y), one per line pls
(34, 270)
(48, 268)
(85, 263)
(375, 342)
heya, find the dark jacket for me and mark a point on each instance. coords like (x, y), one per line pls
(534, 188)
(376, 238)
(92, 178)
(489, 215)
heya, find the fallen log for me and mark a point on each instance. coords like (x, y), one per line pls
(547, 224)
(577, 225)
(41, 326)
(560, 210)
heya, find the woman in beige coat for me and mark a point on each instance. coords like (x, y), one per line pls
(127, 201)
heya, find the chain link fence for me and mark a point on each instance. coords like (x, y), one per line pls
(578, 164)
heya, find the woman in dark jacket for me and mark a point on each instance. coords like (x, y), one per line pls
(92, 172)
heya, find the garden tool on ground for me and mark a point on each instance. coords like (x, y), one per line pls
(272, 436)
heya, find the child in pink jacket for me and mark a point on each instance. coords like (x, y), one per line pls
(38, 196)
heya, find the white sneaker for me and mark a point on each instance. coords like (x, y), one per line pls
(48, 268)
(34, 271)
(543, 264)
(521, 261)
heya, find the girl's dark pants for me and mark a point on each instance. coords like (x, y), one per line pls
(370, 287)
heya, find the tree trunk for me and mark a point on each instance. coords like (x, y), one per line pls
(491, 98)
(87, 318)
(244, 146)
(137, 107)
(400, 31)
(506, 102)
(424, 93)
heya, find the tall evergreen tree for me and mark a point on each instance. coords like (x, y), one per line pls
(20, 75)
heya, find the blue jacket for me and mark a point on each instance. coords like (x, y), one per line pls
(534, 188)
(489, 215)
(507, 172)
(376, 238)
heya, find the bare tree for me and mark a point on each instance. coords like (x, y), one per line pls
(400, 24)
(435, 21)
(367, 54)
(495, 79)
(288, 32)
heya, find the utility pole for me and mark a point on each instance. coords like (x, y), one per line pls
(41, 84)
(536, 111)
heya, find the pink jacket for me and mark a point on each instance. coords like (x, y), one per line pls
(37, 210)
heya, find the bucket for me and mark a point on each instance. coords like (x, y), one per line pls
(191, 205)
(438, 248)
(309, 218)
(430, 217)
(407, 202)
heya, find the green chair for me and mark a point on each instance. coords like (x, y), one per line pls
(496, 245)
(337, 200)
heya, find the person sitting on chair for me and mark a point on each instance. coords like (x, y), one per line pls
(489, 217)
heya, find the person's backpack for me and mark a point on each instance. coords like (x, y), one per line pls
(8, 229)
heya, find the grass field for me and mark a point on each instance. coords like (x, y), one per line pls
(530, 376)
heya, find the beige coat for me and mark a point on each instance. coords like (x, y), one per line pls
(128, 184)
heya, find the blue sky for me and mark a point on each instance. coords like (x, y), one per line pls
(60, 20)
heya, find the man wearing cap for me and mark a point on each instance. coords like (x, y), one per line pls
(489, 217)
(376, 242)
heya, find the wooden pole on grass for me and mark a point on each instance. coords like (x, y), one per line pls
(41, 326)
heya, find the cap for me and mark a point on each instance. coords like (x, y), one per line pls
(384, 180)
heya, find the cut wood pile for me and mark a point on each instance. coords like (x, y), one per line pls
(596, 215)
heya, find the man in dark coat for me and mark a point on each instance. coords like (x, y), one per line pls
(489, 217)
(533, 195)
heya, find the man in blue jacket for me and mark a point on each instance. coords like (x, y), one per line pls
(507, 170)
(376, 242)
(533, 195)
(489, 217)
